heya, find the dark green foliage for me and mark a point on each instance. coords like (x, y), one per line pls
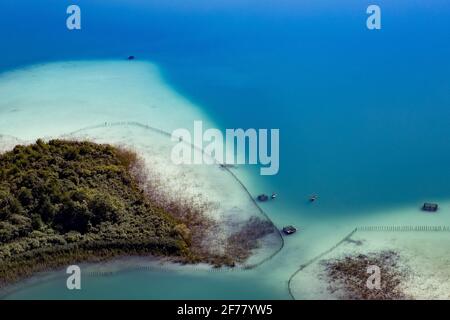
(64, 192)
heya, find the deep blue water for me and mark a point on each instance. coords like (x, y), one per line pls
(364, 115)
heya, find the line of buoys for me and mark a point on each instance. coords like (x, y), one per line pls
(405, 228)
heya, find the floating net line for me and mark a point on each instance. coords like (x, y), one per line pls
(222, 166)
(318, 257)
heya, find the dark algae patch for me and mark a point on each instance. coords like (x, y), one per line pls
(65, 201)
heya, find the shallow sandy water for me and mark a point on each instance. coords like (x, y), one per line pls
(55, 99)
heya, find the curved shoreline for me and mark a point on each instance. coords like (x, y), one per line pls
(222, 269)
(310, 243)
(163, 132)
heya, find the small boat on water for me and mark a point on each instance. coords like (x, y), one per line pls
(288, 230)
(430, 207)
(313, 198)
(263, 197)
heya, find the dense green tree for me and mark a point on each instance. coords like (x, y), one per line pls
(64, 199)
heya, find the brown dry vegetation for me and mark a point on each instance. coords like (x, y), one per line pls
(65, 202)
(197, 227)
(348, 276)
(241, 243)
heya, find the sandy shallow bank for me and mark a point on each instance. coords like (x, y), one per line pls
(230, 205)
(423, 263)
(50, 101)
(54, 99)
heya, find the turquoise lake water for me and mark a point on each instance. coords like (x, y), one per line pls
(364, 116)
